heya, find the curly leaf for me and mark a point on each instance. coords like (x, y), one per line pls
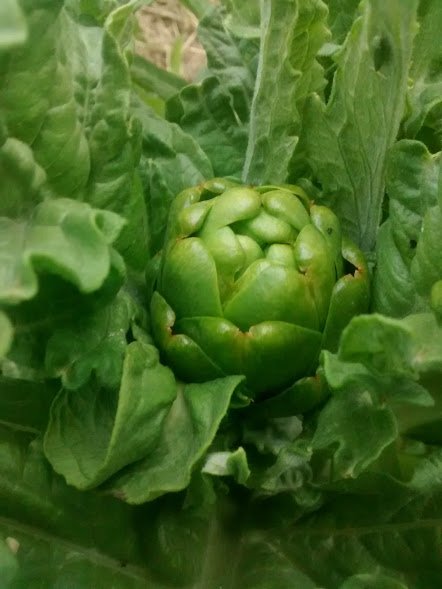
(206, 112)
(63, 237)
(81, 131)
(382, 368)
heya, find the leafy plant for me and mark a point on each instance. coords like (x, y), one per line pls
(139, 444)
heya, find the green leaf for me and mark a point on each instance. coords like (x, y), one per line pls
(382, 539)
(46, 114)
(13, 29)
(207, 113)
(186, 434)
(383, 366)
(115, 138)
(424, 93)
(63, 237)
(8, 562)
(151, 78)
(24, 404)
(292, 33)
(264, 564)
(44, 520)
(6, 334)
(341, 14)
(223, 464)
(92, 344)
(215, 112)
(93, 432)
(171, 161)
(346, 141)
(369, 581)
(359, 427)
(233, 61)
(243, 18)
(23, 180)
(81, 131)
(408, 247)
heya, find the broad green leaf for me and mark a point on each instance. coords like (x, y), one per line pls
(92, 344)
(372, 581)
(359, 427)
(25, 404)
(63, 237)
(185, 436)
(408, 261)
(346, 141)
(13, 29)
(264, 564)
(115, 138)
(95, 431)
(151, 78)
(215, 112)
(171, 161)
(6, 334)
(289, 475)
(407, 347)
(291, 35)
(243, 18)
(381, 539)
(46, 519)
(424, 94)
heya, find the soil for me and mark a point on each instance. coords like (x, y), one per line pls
(168, 38)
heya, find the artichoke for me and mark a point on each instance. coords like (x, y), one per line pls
(253, 281)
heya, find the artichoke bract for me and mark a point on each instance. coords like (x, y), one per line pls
(253, 281)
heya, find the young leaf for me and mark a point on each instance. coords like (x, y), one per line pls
(216, 111)
(292, 33)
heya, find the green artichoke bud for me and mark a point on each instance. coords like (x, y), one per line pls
(253, 281)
